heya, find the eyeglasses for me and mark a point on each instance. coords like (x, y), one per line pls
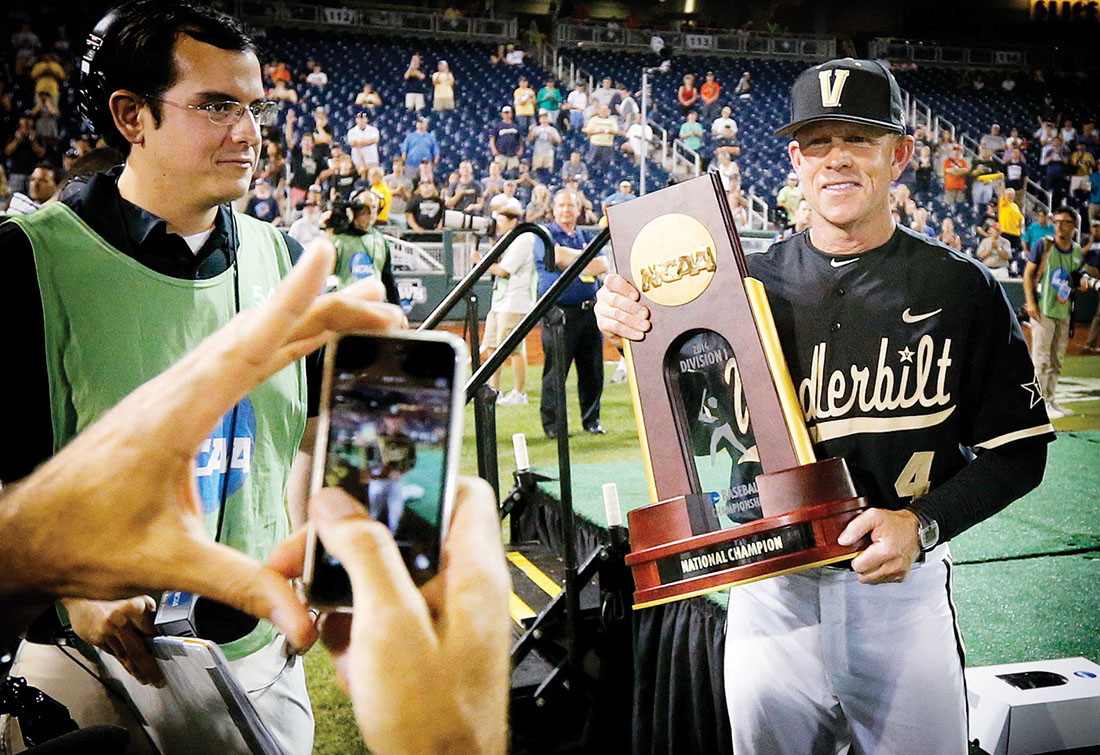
(230, 112)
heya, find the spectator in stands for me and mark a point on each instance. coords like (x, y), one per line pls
(443, 87)
(604, 93)
(1089, 137)
(282, 93)
(525, 181)
(308, 227)
(512, 56)
(341, 178)
(506, 141)
(1082, 165)
(23, 151)
(638, 136)
(317, 78)
(279, 72)
(577, 105)
(424, 172)
(368, 99)
(538, 208)
(691, 132)
(416, 84)
(523, 103)
(463, 194)
(743, 90)
(587, 214)
(48, 75)
(1068, 133)
(1015, 141)
(1008, 83)
(601, 129)
(727, 170)
(921, 138)
(709, 93)
(549, 99)
(424, 211)
(948, 236)
(376, 180)
(995, 251)
(575, 169)
(982, 172)
(490, 186)
(272, 166)
(1039, 228)
(803, 217)
(41, 187)
(724, 131)
(787, 199)
(1053, 162)
(47, 121)
(687, 96)
(945, 148)
(1046, 132)
(304, 168)
(401, 186)
(1048, 283)
(1015, 170)
(923, 172)
(583, 341)
(420, 144)
(955, 169)
(920, 223)
(1094, 196)
(263, 206)
(739, 206)
(363, 139)
(1010, 218)
(322, 130)
(626, 108)
(26, 44)
(544, 137)
(993, 141)
(624, 193)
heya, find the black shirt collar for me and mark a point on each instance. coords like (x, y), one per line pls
(142, 235)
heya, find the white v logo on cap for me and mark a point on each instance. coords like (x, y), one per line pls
(830, 89)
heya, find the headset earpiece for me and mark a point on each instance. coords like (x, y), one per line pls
(92, 100)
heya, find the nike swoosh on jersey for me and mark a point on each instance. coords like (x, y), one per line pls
(842, 263)
(910, 318)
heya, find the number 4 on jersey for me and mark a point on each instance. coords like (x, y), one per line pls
(915, 477)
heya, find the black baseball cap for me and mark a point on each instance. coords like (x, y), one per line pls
(857, 91)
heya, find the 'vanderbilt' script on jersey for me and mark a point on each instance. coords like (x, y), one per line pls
(909, 379)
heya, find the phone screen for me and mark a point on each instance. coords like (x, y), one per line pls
(390, 420)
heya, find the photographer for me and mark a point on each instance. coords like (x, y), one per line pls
(361, 249)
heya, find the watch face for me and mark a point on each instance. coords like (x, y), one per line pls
(929, 535)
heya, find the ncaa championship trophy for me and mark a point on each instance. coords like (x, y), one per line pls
(734, 500)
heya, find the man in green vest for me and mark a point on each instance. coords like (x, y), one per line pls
(361, 249)
(1051, 274)
(115, 282)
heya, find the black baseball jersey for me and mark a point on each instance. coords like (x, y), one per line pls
(906, 359)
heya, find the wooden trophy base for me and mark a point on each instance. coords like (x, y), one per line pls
(676, 553)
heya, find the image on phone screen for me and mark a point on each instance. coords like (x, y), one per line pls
(389, 427)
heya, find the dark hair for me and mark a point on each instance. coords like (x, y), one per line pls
(133, 48)
(53, 169)
(1066, 210)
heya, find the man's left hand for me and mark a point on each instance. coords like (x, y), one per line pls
(895, 544)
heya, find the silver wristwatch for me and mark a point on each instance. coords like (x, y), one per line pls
(928, 531)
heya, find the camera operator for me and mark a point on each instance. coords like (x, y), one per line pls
(361, 249)
(128, 477)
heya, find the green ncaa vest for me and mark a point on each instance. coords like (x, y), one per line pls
(112, 324)
(360, 257)
(1056, 283)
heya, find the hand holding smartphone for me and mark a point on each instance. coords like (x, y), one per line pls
(389, 434)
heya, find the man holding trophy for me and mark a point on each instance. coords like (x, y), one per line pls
(908, 361)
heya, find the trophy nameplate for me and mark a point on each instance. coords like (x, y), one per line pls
(736, 498)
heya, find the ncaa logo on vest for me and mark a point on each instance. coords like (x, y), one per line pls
(213, 462)
(362, 266)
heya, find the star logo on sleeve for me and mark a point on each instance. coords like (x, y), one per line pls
(1035, 390)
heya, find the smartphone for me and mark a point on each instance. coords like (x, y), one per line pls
(389, 434)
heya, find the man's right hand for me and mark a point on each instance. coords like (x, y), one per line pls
(618, 311)
(1032, 310)
(119, 627)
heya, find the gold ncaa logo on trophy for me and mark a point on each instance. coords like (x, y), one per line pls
(673, 259)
